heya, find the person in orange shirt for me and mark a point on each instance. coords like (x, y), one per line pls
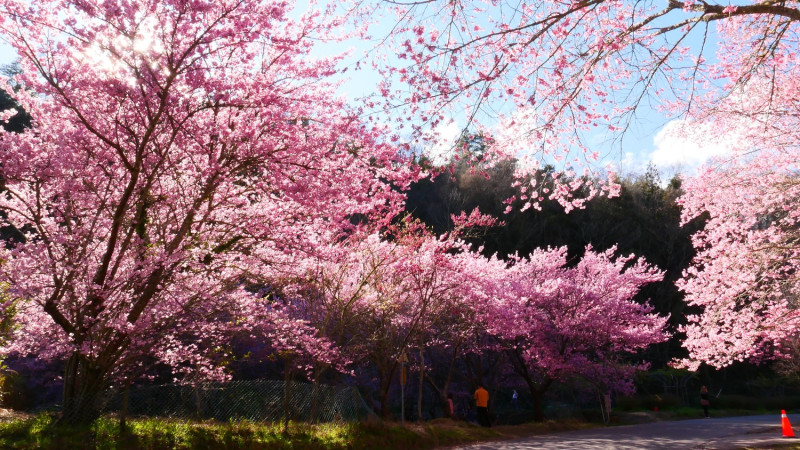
(482, 404)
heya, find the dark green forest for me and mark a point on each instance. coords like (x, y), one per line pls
(16, 124)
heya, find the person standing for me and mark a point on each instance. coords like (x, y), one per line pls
(451, 410)
(705, 402)
(482, 405)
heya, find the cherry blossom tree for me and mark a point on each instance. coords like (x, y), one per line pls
(558, 322)
(179, 149)
(348, 290)
(459, 328)
(334, 288)
(744, 276)
(439, 290)
(376, 295)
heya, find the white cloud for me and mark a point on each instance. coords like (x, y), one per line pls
(686, 145)
(443, 138)
(629, 162)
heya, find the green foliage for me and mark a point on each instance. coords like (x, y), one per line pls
(12, 389)
(22, 120)
(9, 380)
(7, 322)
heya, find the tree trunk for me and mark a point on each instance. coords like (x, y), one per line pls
(83, 386)
(538, 409)
(287, 386)
(70, 377)
(314, 400)
(385, 373)
(443, 391)
(537, 391)
(123, 415)
(421, 383)
(385, 404)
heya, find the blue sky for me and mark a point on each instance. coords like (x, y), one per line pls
(7, 55)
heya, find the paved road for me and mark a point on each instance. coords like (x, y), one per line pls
(722, 433)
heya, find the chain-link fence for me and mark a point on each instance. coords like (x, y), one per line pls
(257, 400)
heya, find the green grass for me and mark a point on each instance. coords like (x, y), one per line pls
(41, 433)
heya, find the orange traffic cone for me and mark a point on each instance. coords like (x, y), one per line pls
(787, 427)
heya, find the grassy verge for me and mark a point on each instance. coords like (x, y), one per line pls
(40, 433)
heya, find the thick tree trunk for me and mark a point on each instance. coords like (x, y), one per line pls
(536, 388)
(538, 405)
(537, 391)
(83, 386)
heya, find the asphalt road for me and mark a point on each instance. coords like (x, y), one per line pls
(722, 433)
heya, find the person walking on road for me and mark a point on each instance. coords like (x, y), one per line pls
(482, 405)
(705, 402)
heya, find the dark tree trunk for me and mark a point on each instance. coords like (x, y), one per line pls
(536, 386)
(538, 406)
(315, 401)
(386, 384)
(287, 389)
(84, 382)
(385, 404)
(537, 391)
(123, 415)
(442, 391)
(421, 384)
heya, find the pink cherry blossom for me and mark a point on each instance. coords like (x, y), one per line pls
(180, 149)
